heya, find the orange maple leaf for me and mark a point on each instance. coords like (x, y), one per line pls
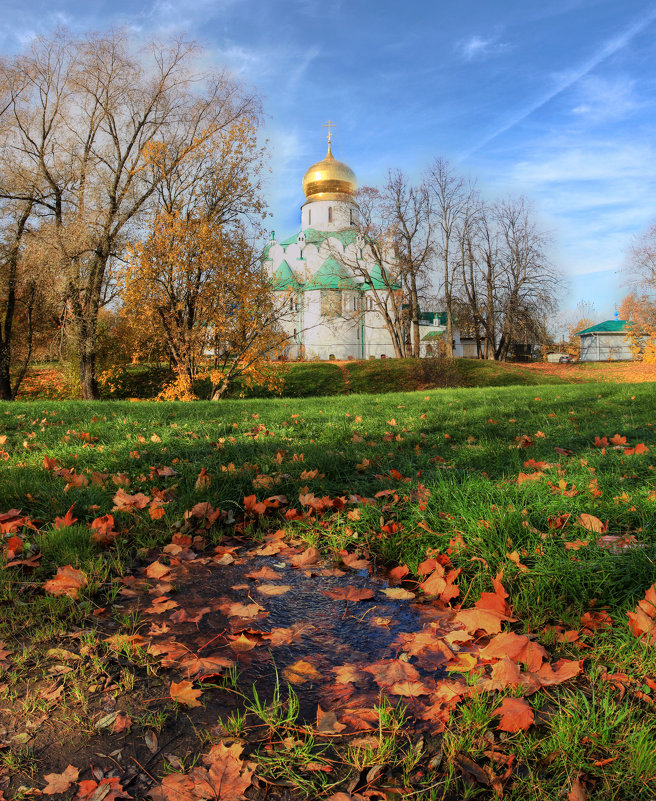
(504, 674)
(516, 715)
(517, 647)
(123, 500)
(349, 594)
(88, 789)
(642, 621)
(309, 557)
(103, 530)
(562, 670)
(66, 520)
(184, 693)
(156, 570)
(251, 505)
(387, 672)
(68, 581)
(409, 689)
(300, 672)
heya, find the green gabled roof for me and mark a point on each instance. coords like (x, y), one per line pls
(331, 275)
(313, 237)
(284, 278)
(607, 327)
(432, 335)
(377, 281)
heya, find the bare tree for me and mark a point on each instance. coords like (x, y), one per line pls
(451, 198)
(373, 261)
(527, 285)
(100, 125)
(642, 260)
(410, 214)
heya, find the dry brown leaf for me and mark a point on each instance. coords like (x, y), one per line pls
(516, 715)
(60, 782)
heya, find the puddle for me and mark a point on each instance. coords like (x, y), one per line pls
(309, 636)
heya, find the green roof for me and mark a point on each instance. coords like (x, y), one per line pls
(313, 237)
(433, 335)
(377, 280)
(607, 327)
(331, 275)
(284, 278)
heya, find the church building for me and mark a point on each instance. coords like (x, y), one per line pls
(331, 309)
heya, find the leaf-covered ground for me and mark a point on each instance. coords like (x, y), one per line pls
(422, 595)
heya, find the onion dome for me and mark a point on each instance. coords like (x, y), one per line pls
(329, 179)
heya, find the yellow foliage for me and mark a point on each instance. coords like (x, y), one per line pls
(195, 284)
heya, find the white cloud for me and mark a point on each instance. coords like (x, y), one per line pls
(602, 99)
(477, 47)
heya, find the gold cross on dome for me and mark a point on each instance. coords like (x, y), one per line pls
(330, 125)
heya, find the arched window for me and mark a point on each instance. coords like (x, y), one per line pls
(309, 216)
(330, 214)
(351, 216)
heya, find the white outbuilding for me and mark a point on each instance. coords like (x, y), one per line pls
(605, 342)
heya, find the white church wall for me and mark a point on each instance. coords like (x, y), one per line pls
(329, 215)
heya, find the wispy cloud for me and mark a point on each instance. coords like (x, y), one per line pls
(594, 198)
(601, 99)
(568, 79)
(478, 47)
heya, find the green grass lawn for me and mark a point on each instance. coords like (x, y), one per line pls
(439, 474)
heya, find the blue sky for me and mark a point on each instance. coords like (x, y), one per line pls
(554, 100)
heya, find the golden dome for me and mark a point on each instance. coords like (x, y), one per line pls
(329, 179)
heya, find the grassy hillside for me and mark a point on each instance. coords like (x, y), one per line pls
(312, 379)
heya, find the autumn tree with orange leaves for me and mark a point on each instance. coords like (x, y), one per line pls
(195, 281)
(95, 125)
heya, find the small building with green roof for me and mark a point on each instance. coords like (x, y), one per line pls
(605, 342)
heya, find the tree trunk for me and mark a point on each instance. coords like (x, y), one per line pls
(221, 390)
(414, 295)
(6, 331)
(88, 380)
(5, 379)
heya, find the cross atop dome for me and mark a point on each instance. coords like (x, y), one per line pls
(330, 125)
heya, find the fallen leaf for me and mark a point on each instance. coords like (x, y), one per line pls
(387, 672)
(349, 594)
(68, 581)
(592, 523)
(60, 782)
(300, 672)
(270, 590)
(398, 593)
(309, 557)
(516, 715)
(327, 722)
(183, 693)
(577, 793)
(157, 570)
